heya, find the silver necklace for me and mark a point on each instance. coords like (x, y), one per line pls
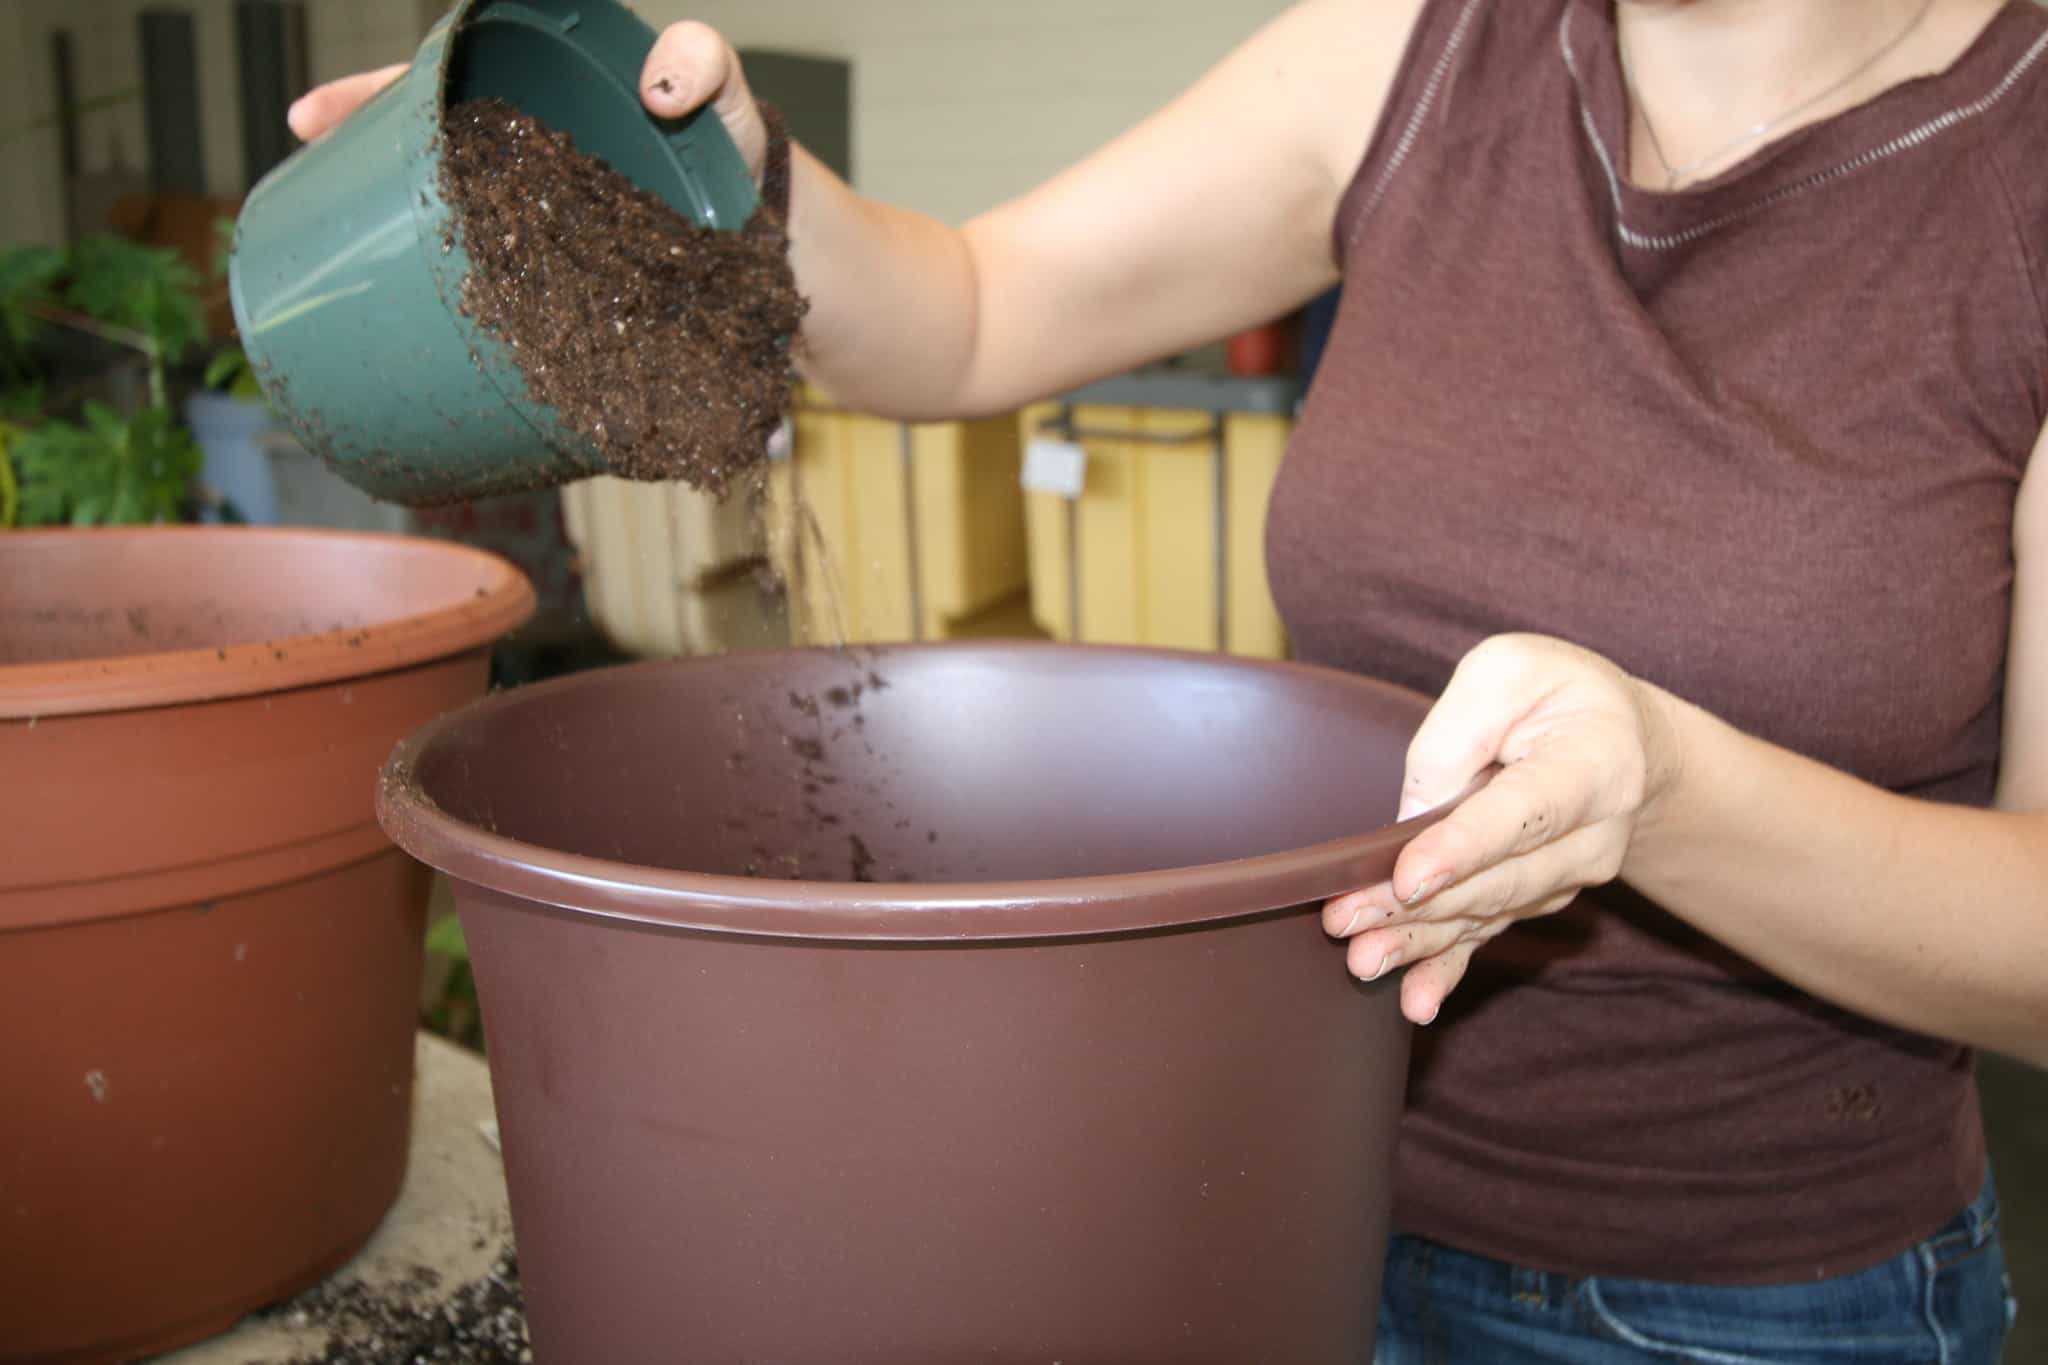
(1674, 174)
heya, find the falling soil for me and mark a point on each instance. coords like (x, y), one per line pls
(482, 1323)
(664, 341)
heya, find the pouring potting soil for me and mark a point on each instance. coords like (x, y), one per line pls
(663, 341)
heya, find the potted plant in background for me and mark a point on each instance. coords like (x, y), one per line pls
(91, 436)
(209, 954)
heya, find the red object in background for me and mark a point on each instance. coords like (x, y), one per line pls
(1269, 349)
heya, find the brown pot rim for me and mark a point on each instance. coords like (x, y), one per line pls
(991, 912)
(500, 600)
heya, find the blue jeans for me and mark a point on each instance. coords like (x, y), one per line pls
(1947, 1301)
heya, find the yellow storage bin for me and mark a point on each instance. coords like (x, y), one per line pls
(893, 531)
(668, 570)
(1166, 544)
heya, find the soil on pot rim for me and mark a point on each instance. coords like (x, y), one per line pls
(663, 341)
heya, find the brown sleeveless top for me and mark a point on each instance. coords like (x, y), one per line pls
(1758, 442)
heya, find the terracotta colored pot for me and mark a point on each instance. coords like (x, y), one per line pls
(1047, 1058)
(209, 955)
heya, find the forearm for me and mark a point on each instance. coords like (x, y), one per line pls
(893, 298)
(1928, 916)
(1080, 279)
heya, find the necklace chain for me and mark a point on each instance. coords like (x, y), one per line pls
(1675, 174)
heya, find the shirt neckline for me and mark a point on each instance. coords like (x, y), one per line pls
(1897, 119)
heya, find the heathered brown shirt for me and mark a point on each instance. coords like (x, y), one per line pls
(1758, 442)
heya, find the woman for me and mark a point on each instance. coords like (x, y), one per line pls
(1676, 429)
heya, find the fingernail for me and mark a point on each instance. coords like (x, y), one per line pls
(1432, 1016)
(1380, 970)
(1421, 890)
(1410, 808)
(1356, 915)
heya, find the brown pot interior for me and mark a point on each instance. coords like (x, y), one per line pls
(94, 620)
(1130, 787)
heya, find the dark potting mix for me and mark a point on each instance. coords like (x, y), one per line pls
(665, 342)
(482, 1323)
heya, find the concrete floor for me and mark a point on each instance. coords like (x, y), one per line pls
(452, 1216)
(2016, 1117)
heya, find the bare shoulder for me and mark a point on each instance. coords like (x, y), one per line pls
(1332, 64)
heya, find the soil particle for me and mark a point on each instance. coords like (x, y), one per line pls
(863, 861)
(482, 1323)
(663, 341)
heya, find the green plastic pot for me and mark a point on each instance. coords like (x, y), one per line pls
(347, 269)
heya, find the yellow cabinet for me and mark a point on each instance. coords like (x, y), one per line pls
(893, 531)
(668, 570)
(1166, 544)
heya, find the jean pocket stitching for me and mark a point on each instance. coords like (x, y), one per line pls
(1632, 1336)
(1950, 1253)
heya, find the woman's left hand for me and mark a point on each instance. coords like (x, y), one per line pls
(1584, 752)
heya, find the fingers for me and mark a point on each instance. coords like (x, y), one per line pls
(1557, 793)
(688, 66)
(315, 113)
(692, 65)
(1434, 953)
(1428, 982)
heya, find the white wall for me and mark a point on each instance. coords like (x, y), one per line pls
(960, 104)
(28, 205)
(343, 36)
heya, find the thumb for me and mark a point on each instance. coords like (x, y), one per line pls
(1494, 686)
(692, 65)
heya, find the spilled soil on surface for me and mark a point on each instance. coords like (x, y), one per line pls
(483, 1323)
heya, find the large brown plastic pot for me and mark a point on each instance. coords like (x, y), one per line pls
(1076, 1076)
(209, 954)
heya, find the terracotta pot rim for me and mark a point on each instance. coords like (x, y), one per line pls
(932, 912)
(500, 601)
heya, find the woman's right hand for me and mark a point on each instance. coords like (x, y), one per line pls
(690, 65)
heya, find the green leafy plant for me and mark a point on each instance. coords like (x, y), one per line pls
(66, 463)
(107, 470)
(26, 275)
(231, 373)
(139, 296)
(454, 1012)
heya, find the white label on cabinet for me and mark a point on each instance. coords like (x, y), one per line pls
(1055, 467)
